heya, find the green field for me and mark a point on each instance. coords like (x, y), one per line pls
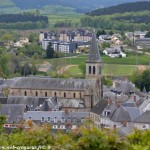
(111, 66)
(130, 60)
(107, 70)
(73, 17)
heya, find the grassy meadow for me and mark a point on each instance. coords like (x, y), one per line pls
(130, 60)
(110, 67)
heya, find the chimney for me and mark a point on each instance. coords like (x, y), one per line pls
(109, 101)
(117, 104)
(125, 123)
(114, 126)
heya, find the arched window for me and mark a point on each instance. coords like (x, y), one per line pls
(55, 94)
(74, 95)
(36, 93)
(45, 94)
(25, 93)
(64, 94)
(94, 69)
(89, 69)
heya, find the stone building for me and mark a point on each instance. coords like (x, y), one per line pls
(84, 93)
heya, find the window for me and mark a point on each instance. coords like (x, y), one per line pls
(43, 119)
(36, 94)
(64, 94)
(49, 119)
(55, 119)
(25, 93)
(45, 94)
(94, 70)
(89, 69)
(74, 119)
(62, 119)
(55, 94)
(74, 95)
(106, 112)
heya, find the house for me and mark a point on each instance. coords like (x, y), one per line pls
(114, 52)
(58, 119)
(139, 34)
(123, 87)
(143, 121)
(105, 37)
(142, 43)
(116, 40)
(115, 116)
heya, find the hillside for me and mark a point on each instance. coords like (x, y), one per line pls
(122, 8)
(78, 5)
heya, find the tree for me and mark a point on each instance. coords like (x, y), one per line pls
(142, 79)
(82, 67)
(50, 51)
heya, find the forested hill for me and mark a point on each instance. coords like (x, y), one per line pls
(122, 8)
(79, 5)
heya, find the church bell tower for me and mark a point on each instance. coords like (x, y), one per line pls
(93, 62)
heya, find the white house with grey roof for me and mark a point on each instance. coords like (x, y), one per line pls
(84, 93)
(143, 121)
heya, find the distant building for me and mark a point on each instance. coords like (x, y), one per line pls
(66, 47)
(142, 43)
(114, 52)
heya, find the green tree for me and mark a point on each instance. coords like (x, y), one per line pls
(82, 67)
(50, 51)
(142, 79)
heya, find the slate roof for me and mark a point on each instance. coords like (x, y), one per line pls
(120, 114)
(71, 103)
(125, 87)
(37, 115)
(144, 118)
(114, 97)
(94, 55)
(117, 113)
(128, 104)
(124, 131)
(99, 107)
(3, 100)
(48, 105)
(13, 112)
(51, 83)
(32, 102)
(133, 112)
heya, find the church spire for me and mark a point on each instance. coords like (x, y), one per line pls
(94, 55)
(93, 62)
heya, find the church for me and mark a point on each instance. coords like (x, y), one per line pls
(71, 93)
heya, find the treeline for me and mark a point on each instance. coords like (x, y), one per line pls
(136, 19)
(24, 25)
(86, 137)
(25, 17)
(122, 8)
(127, 21)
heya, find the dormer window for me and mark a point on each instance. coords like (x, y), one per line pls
(62, 119)
(49, 119)
(106, 113)
(43, 119)
(55, 119)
